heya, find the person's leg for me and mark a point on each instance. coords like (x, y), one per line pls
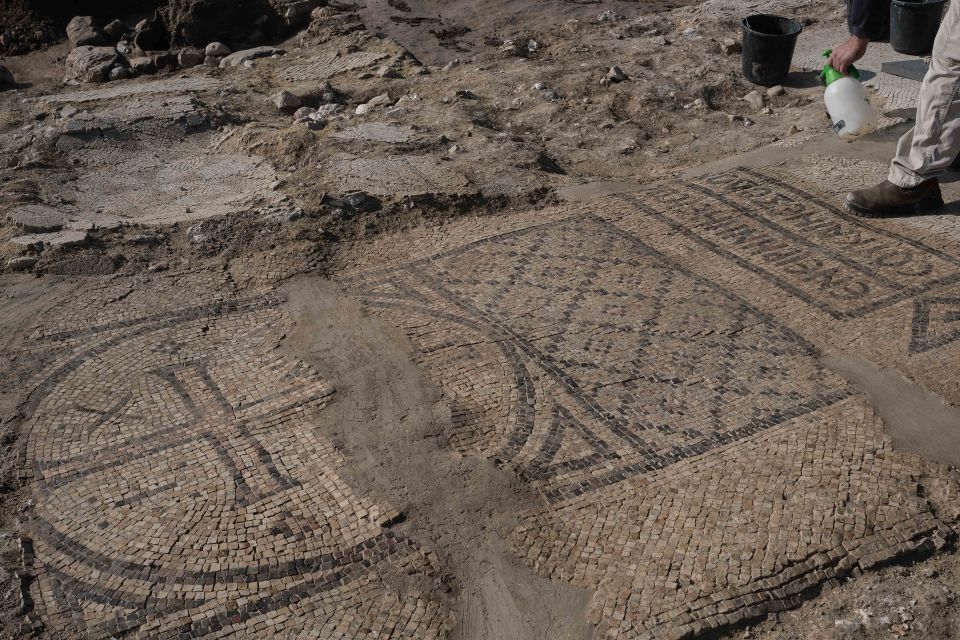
(925, 152)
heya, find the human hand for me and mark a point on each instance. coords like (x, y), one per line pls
(848, 52)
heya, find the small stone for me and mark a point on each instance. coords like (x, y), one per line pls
(115, 30)
(296, 214)
(387, 71)
(157, 266)
(362, 109)
(143, 64)
(616, 74)
(118, 73)
(755, 100)
(730, 46)
(190, 57)
(22, 263)
(217, 50)
(380, 101)
(68, 111)
(362, 201)
(773, 92)
(328, 110)
(513, 49)
(793, 130)
(286, 101)
(212, 61)
(303, 112)
(610, 16)
(539, 86)
(450, 65)
(82, 30)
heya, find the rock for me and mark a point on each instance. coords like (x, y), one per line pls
(217, 50)
(793, 130)
(82, 30)
(43, 241)
(303, 112)
(362, 201)
(610, 16)
(151, 35)
(730, 46)
(212, 61)
(513, 49)
(68, 111)
(387, 71)
(126, 49)
(22, 263)
(118, 73)
(238, 58)
(755, 100)
(115, 30)
(89, 64)
(362, 109)
(34, 218)
(327, 110)
(190, 57)
(286, 101)
(166, 59)
(298, 11)
(6, 78)
(143, 64)
(773, 92)
(616, 74)
(380, 101)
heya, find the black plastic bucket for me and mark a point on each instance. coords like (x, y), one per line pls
(914, 25)
(768, 43)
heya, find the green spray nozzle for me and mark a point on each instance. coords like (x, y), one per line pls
(829, 74)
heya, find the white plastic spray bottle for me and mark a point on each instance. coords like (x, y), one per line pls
(847, 103)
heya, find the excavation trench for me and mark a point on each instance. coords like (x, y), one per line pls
(391, 424)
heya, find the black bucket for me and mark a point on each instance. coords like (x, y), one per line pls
(768, 43)
(914, 25)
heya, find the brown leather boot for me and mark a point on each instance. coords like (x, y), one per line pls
(887, 199)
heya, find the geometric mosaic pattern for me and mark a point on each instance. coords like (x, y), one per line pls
(183, 491)
(698, 466)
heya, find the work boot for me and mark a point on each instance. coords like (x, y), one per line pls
(887, 199)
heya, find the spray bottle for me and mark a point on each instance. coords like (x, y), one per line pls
(847, 103)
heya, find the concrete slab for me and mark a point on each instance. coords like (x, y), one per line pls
(395, 175)
(376, 132)
(37, 218)
(52, 240)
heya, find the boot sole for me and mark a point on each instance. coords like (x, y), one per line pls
(928, 205)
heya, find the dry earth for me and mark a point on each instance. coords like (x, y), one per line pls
(481, 344)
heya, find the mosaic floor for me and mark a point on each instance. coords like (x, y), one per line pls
(648, 363)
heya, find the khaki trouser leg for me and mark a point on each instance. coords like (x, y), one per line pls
(927, 150)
